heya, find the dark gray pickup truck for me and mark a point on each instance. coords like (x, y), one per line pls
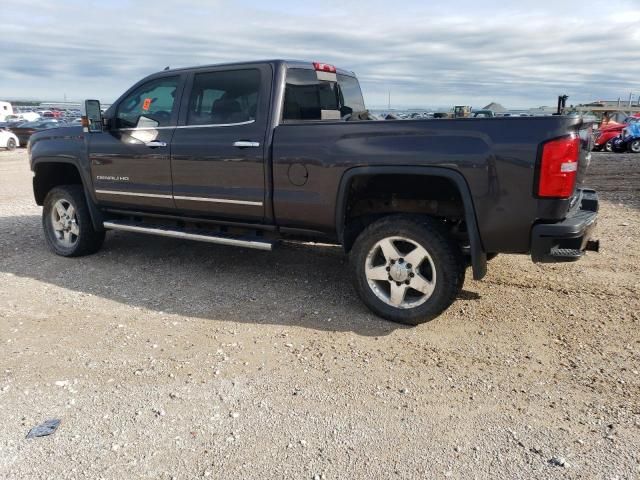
(246, 154)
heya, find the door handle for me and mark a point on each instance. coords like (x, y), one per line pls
(246, 144)
(156, 144)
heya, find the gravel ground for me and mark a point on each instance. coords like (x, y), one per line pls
(170, 359)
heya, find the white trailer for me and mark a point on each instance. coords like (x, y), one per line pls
(5, 109)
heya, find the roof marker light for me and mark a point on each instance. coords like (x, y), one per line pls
(324, 67)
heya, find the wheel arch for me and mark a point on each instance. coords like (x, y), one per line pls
(478, 255)
(52, 172)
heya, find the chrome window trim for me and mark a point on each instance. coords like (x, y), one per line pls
(248, 122)
(217, 200)
(208, 125)
(133, 129)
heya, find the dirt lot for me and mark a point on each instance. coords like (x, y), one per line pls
(170, 359)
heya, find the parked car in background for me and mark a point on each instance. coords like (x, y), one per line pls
(628, 140)
(8, 139)
(483, 114)
(24, 130)
(603, 138)
(22, 117)
(11, 123)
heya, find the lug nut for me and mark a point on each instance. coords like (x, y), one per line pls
(398, 283)
(407, 282)
(392, 262)
(412, 274)
(401, 260)
(409, 265)
(390, 279)
(388, 269)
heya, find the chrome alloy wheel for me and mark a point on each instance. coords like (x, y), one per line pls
(400, 272)
(64, 222)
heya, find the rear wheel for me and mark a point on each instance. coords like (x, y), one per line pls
(407, 269)
(11, 144)
(67, 224)
(634, 146)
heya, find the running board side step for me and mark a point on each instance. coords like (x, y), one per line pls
(187, 235)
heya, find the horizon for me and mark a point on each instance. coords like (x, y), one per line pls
(424, 54)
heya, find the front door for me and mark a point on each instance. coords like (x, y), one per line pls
(131, 162)
(218, 151)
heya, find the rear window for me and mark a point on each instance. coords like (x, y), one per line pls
(308, 98)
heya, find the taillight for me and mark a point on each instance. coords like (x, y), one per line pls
(324, 67)
(559, 167)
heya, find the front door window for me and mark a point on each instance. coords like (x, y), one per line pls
(151, 105)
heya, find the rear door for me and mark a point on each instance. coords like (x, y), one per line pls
(130, 163)
(218, 151)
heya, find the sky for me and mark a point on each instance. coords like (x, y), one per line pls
(425, 53)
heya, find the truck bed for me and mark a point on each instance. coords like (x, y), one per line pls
(495, 156)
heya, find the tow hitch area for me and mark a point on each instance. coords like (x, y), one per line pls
(567, 241)
(593, 245)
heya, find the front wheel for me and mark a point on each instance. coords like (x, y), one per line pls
(67, 223)
(608, 147)
(634, 146)
(11, 144)
(407, 269)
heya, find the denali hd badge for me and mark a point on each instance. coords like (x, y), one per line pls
(112, 178)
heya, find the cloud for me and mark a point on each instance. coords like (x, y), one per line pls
(457, 52)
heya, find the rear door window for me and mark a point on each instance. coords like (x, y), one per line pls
(224, 97)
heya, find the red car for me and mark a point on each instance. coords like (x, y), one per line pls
(603, 138)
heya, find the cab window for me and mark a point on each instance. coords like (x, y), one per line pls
(224, 97)
(306, 96)
(150, 105)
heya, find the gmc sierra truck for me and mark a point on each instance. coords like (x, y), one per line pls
(246, 154)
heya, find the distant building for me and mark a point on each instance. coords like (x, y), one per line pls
(600, 107)
(613, 104)
(495, 108)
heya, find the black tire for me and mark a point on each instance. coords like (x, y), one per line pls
(11, 144)
(88, 240)
(444, 253)
(608, 147)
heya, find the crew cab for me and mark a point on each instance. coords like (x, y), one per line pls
(247, 154)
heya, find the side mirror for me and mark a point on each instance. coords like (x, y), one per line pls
(92, 117)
